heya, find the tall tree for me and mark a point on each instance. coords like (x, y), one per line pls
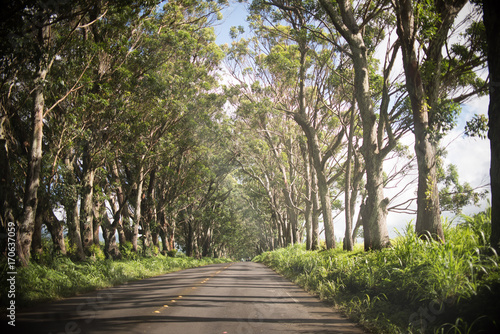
(429, 81)
(352, 24)
(491, 9)
(288, 53)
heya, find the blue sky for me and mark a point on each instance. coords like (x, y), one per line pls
(233, 16)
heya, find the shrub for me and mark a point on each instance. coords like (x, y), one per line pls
(172, 252)
(96, 253)
(127, 251)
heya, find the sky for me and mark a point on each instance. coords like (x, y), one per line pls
(470, 155)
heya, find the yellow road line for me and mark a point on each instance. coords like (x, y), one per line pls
(192, 288)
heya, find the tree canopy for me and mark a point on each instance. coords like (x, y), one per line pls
(126, 129)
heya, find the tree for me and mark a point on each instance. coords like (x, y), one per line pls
(353, 25)
(102, 69)
(492, 24)
(429, 82)
(39, 22)
(290, 52)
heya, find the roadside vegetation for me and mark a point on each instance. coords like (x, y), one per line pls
(49, 279)
(415, 286)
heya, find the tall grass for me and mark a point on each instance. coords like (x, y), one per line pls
(416, 286)
(61, 277)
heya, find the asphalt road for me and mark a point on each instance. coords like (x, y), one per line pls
(232, 298)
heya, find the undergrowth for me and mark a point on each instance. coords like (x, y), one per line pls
(415, 286)
(61, 277)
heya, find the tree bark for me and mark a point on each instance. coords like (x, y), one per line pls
(71, 208)
(121, 212)
(315, 210)
(348, 242)
(492, 23)
(358, 173)
(162, 225)
(98, 215)
(56, 229)
(308, 195)
(171, 228)
(111, 249)
(30, 202)
(137, 207)
(189, 233)
(87, 201)
(149, 210)
(36, 243)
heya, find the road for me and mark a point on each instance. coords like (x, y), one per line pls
(242, 297)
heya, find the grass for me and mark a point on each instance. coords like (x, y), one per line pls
(416, 286)
(62, 278)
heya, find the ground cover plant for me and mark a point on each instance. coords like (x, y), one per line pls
(62, 277)
(415, 286)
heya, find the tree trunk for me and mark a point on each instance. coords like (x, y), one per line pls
(315, 211)
(137, 213)
(322, 182)
(376, 210)
(155, 240)
(87, 201)
(171, 228)
(111, 249)
(428, 210)
(30, 202)
(326, 206)
(374, 220)
(189, 238)
(98, 215)
(121, 213)
(313, 144)
(36, 243)
(424, 98)
(71, 207)
(308, 195)
(358, 173)
(359, 222)
(149, 210)
(56, 229)
(348, 244)
(7, 197)
(162, 231)
(492, 24)
(54, 225)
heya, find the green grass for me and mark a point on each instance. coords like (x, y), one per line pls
(61, 277)
(416, 286)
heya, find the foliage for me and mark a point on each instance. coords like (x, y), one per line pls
(416, 286)
(477, 127)
(453, 195)
(96, 253)
(172, 252)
